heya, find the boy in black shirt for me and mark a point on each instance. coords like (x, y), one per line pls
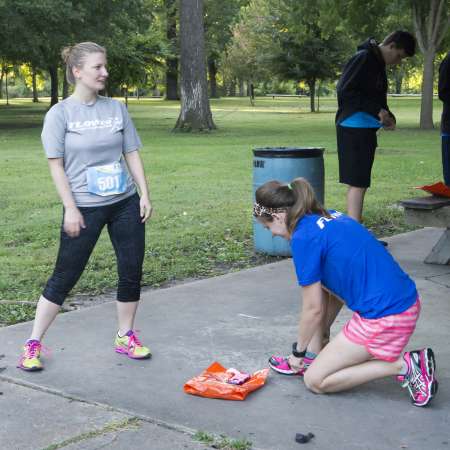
(363, 109)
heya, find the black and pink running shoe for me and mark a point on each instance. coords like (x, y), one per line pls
(420, 379)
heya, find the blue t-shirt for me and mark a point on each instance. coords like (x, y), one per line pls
(350, 262)
(361, 120)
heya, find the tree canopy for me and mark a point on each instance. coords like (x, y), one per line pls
(273, 45)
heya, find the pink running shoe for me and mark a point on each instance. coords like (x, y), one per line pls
(281, 365)
(420, 380)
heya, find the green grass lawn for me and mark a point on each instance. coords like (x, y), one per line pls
(201, 187)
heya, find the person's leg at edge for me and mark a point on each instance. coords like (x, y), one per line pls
(446, 159)
(355, 202)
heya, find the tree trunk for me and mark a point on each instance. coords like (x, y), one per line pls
(251, 93)
(2, 75)
(398, 84)
(431, 22)
(171, 61)
(426, 105)
(34, 87)
(195, 113)
(53, 71)
(318, 97)
(312, 94)
(65, 86)
(172, 79)
(6, 87)
(232, 90)
(241, 88)
(398, 79)
(212, 72)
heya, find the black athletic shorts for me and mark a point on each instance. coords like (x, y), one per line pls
(356, 152)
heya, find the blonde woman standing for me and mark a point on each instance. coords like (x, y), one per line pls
(92, 149)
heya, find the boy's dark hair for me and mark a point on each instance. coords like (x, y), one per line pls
(402, 39)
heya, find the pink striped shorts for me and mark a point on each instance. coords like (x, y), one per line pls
(386, 337)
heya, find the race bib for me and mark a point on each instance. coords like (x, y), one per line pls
(109, 179)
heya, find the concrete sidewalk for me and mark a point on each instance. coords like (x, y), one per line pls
(239, 319)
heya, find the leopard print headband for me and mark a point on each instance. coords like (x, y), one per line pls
(259, 210)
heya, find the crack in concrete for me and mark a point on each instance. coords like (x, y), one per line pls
(131, 415)
(109, 428)
(430, 278)
(105, 406)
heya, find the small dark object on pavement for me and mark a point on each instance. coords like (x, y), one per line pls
(383, 243)
(303, 438)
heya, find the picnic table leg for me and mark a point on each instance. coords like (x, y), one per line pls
(441, 251)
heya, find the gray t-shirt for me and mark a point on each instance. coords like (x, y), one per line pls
(87, 136)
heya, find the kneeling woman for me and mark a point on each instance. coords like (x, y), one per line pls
(337, 258)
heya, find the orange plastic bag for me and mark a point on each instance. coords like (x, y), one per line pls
(439, 189)
(212, 383)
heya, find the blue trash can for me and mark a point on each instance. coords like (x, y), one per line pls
(284, 164)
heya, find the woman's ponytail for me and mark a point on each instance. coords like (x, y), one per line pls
(305, 202)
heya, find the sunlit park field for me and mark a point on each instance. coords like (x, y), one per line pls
(201, 187)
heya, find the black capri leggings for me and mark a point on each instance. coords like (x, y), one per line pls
(127, 235)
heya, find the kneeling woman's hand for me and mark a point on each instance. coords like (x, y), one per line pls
(295, 363)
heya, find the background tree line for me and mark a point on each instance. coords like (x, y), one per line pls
(274, 46)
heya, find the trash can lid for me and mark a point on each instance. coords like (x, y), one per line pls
(288, 152)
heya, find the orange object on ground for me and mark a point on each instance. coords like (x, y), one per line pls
(212, 383)
(439, 189)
